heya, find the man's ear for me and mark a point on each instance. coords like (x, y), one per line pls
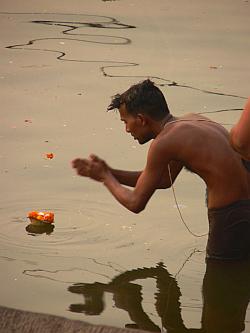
(142, 118)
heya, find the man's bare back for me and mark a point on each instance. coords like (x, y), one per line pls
(203, 147)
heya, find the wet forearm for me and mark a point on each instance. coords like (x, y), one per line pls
(128, 178)
(123, 195)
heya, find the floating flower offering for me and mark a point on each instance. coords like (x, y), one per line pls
(49, 155)
(41, 217)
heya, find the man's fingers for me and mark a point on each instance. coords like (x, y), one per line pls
(82, 166)
(79, 162)
(94, 158)
(92, 167)
(84, 171)
(75, 162)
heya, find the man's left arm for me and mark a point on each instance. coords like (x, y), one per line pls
(136, 200)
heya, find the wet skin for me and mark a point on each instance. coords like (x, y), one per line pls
(240, 133)
(191, 141)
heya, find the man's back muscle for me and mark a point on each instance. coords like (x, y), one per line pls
(203, 147)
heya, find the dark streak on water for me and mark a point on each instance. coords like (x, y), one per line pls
(106, 23)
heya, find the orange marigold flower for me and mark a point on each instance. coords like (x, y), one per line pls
(50, 155)
(47, 217)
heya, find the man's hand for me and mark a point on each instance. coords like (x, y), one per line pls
(92, 167)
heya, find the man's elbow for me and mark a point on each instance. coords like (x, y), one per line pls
(137, 208)
(242, 147)
(164, 186)
(240, 142)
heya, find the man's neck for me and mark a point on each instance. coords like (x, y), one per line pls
(158, 126)
(169, 118)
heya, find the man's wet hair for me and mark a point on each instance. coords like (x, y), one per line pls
(143, 97)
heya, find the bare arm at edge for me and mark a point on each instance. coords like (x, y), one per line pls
(240, 133)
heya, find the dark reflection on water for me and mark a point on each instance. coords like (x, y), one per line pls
(226, 291)
(33, 229)
(105, 22)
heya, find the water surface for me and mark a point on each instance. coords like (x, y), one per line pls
(100, 263)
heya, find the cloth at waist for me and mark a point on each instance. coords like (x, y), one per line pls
(229, 231)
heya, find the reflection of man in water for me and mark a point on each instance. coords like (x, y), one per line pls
(240, 133)
(190, 141)
(128, 296)
(226, 295)
(226, 291)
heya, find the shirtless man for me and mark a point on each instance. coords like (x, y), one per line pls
(240, 133)
(190, 141)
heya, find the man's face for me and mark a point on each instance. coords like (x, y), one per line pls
(135, 125)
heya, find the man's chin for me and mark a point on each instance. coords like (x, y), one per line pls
(143, 141)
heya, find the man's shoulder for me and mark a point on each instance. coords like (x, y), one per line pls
(187, 121)
(193, 117)
(189, 127)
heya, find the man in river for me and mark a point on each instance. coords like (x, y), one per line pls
(190, 141)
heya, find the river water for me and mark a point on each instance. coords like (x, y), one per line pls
(60, 64)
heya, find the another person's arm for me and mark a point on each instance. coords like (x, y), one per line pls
(240, 133)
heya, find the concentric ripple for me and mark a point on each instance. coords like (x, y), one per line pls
(73, 226)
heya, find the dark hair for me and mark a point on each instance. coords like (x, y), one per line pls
(143, 97)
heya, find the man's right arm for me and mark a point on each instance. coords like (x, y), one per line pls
(129, 178)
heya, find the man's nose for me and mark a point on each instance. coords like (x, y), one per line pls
(127, 129)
